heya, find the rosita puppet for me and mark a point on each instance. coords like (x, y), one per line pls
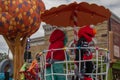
(57, 40)
(85, 35)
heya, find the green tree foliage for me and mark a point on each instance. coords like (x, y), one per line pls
(3, 56)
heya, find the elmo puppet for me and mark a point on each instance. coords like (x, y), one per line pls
(85, 35)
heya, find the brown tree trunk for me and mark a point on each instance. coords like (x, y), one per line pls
(17, 47)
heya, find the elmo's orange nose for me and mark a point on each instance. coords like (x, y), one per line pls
(94, 31)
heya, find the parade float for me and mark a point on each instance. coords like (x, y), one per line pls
(18, 22)
(81, 16)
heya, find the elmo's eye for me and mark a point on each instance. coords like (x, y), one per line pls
(89, 34)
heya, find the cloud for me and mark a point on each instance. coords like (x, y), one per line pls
(39, 33)
(109, 2)
(53, 3)
(4, 47)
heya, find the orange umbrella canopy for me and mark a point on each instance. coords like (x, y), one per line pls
(76, 13)
(20, 17)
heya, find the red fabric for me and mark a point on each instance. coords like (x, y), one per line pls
(56, 41)
(48, 65)
(87, 33)
(87, 78)
(87, 57)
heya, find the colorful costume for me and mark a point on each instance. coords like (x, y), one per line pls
(30, 73)
(57, 40)
(85, 35)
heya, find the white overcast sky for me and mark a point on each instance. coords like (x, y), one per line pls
(112, 5)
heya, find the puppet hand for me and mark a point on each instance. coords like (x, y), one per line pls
(47, 65)
(50, 61)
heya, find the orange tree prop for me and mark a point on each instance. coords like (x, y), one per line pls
(18, 20)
